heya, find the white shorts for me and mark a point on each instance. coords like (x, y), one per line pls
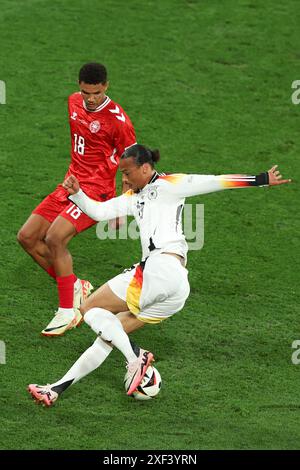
(154, 289)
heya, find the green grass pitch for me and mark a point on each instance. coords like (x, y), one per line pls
(209, 84)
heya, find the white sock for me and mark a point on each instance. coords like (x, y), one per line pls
(90, 360)
(109, 328)
(69, 312)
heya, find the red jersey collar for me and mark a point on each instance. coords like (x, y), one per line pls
(102, 105)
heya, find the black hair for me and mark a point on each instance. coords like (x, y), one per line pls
(93, 73)
(141, 154)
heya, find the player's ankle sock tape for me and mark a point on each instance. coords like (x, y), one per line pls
(135, 347)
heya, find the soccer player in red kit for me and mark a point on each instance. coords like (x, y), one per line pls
(100, 133)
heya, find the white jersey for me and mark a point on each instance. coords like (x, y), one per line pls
(157, 208)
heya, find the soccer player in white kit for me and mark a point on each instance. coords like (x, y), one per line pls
(157, 287)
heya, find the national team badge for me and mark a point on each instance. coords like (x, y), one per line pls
(152, 194)
(94, 126)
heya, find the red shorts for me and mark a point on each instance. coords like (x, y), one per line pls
(57, 203)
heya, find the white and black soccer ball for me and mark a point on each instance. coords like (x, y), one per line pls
(149, 387)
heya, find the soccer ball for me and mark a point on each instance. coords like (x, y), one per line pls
(149, 387)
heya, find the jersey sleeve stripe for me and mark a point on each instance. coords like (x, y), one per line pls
(174, 179)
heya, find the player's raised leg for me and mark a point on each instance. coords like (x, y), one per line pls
(98, 314)
(111, 331)
(90, 360)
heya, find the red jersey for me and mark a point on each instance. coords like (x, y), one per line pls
(98, 139)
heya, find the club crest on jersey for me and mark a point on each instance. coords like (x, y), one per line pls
(94, 126)
(152, 193)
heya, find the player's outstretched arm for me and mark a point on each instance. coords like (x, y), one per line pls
(183, 185)
(275, 177)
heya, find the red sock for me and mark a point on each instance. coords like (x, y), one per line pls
(65, 285)
(51, 272)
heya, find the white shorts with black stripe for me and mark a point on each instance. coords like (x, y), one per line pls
(155, 289)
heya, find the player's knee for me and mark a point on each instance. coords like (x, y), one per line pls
(25, 239)
(53, 241)
(106, 322)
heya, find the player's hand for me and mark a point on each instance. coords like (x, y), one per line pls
(275, 177)
(71, 184)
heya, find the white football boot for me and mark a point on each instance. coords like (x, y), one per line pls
(61, 322)
(137, 369)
